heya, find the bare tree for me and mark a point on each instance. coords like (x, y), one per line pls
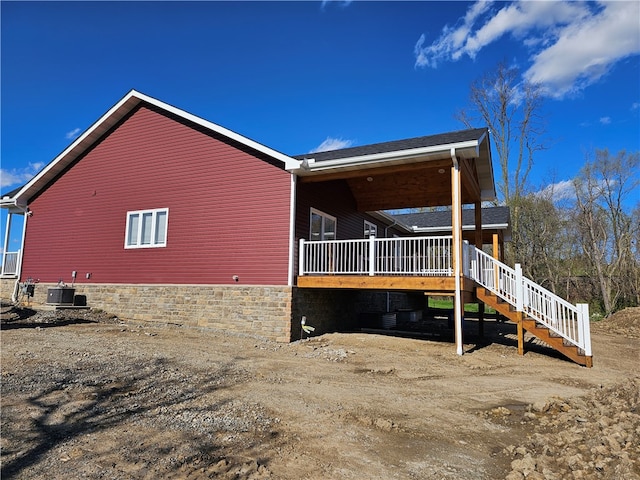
(604, 188)
(511, 110)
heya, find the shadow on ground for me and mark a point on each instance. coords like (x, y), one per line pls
(80, 404)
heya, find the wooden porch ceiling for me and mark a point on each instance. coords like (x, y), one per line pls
(426, 184)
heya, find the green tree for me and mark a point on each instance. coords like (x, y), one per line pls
(608, 229)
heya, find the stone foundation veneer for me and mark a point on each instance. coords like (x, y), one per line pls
(271, 312)
(264, 311)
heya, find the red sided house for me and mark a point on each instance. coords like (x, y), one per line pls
(155, 214)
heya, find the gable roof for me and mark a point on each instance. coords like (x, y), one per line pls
(461, 136)
(468, 144)
(114, 115)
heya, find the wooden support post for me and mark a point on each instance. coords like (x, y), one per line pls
(478, 222)
(520, 336)
(478, 244)
(456, 223)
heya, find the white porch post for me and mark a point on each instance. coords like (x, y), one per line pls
(583, 311)
(301, 258)
(456, 222)
(372, 256)
(519, 287)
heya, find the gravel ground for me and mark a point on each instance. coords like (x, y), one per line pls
(87, 395)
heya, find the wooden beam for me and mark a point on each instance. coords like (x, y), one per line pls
(470, 180)
(432, 285)
(456, 222)
(478, 224)
(375, 171)
(520, 338)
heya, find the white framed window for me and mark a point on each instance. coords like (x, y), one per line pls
(146, 228)
(323, 226)
(370, 229)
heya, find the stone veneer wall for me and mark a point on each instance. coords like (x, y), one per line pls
(272, 312)
(6, 289)
(264, 311)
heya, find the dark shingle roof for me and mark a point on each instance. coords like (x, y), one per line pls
(10, 193)
(442, 218)
(397, 145)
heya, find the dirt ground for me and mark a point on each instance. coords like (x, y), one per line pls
(85, 395)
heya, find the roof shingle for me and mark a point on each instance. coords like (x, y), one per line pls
(398, 145)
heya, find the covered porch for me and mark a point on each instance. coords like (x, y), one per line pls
(448, 170)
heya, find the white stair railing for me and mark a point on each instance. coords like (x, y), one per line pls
(571, 322)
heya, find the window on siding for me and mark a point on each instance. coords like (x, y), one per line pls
(146, 228)
(370, 229)
(323, 226)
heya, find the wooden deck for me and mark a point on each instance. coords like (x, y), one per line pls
(429, 285)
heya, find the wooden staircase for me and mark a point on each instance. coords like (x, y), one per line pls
(523, 323)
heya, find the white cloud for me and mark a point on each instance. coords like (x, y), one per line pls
(572, 44)
(635, 106)
(451, 42)
(605, 120)
(19, 176)
(342, 3)
(332, 144)
(587, 49)
(72, 134)
(563, 190)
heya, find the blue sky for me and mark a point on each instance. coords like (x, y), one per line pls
(298, 76)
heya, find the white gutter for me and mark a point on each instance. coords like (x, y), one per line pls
(496, 226)
(310, 165)
(390, 220)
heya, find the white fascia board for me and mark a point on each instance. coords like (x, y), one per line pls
(289, 162)
(113, 116)
(397, 155)
(390, 220)
(54, 167)
(492, 226)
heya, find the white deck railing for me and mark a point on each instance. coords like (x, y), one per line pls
(10, 263)
(571, 322)
(427, 256)
(432, 256)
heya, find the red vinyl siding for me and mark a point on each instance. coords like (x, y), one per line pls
(228, 211)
